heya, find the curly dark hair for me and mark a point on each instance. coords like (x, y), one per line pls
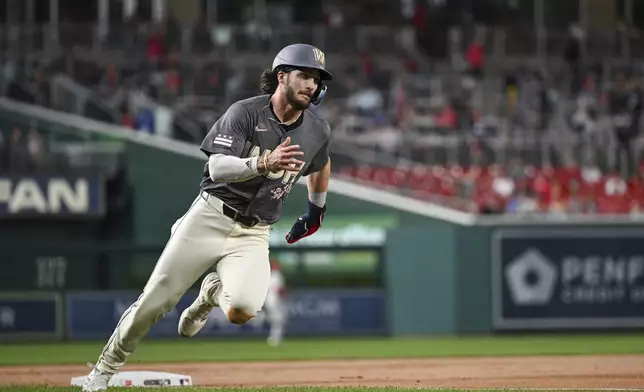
(268, 80)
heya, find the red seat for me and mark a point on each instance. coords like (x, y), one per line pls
(427, 183)
(446, 187)
(400, 176)
(417, 174)
(612, 205)
(349, 171)
(456, 171)
(365, 173)
(636, 189)
(390, 176)
(566, 174)
(382, 175)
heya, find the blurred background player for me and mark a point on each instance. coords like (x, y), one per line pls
(276, 305)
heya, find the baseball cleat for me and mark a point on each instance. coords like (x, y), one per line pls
(96, 380)
(195, 316)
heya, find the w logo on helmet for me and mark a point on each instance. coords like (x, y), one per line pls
(319, 56)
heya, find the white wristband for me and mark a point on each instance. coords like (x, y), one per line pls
(252, 164)
(318, 198)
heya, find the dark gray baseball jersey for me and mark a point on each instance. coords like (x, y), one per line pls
(250, 128)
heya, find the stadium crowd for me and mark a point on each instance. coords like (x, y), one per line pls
(422, 108)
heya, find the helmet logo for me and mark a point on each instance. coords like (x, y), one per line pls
(319, 56)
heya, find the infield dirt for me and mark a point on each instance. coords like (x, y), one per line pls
(601, 371)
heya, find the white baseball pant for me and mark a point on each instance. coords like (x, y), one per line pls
(203, 237)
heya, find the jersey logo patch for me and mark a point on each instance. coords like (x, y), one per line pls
(223, 140)
(261, 128)
(280, 192)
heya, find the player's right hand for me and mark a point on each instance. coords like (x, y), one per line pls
(283, 158)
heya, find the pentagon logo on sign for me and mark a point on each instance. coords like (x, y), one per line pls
(538, 290)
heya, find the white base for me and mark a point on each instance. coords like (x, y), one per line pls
(143, 379)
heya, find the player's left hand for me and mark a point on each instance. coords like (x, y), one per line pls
(306, 224)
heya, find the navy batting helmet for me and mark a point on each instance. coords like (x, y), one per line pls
(305, 56)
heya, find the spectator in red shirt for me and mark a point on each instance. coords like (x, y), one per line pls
(475, 57)
(127, 120)
(636, 187)
(447, 117)
(155, 43)
(367, 65)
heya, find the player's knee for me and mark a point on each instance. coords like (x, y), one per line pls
(239, 316)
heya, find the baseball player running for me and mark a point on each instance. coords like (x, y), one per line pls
(256, 151)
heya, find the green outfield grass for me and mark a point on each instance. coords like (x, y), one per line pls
(289, 389)
(197, 350)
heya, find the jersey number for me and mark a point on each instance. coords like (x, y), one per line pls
(287, 177)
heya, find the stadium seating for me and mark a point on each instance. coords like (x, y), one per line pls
(610, 193)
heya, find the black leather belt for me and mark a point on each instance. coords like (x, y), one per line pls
(237, 217)
(233, 213)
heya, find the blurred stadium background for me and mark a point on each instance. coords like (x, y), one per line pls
(487, 158)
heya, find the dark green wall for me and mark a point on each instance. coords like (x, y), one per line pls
(472, 264)
(421, 279)
(165, 184)
(438, 279)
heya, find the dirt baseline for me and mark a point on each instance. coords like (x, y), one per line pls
(615, 371)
